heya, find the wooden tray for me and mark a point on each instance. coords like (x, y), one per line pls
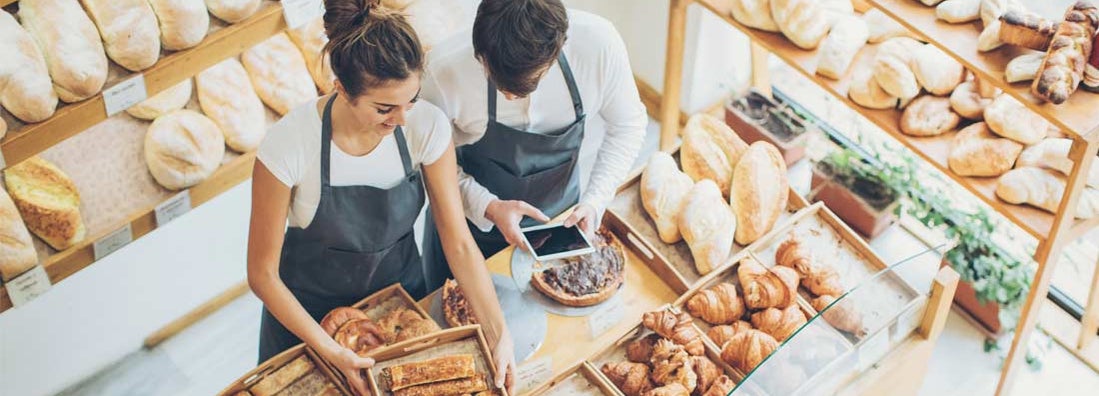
(253, 377)
(384, 301)
(583, 380)
(459, 340)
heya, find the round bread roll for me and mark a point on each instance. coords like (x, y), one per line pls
(929, 116)
(183, 148)
(183, 23)
(866, 91)
(967, 102)
(936, 71)
(337, 317)
(233, 11)
(1011, 119)
(167, 101)
(896, 78)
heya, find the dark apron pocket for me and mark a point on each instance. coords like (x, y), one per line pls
(350, 273)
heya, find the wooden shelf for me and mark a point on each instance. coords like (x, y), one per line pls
(1074, 117)
(27, 140)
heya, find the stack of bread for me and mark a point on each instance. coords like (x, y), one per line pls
(353, 329)
(728, 191)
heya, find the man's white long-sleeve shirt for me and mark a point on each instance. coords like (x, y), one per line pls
(615, 127)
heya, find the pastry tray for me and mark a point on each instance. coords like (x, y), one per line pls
(244, 384)
(386, 300)
(582, 380)
(459, 340)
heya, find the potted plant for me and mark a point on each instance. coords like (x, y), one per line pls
(855, 192)
(755, 117)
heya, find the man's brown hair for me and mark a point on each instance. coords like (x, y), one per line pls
(517, 39)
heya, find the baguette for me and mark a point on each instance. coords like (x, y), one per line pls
(183, 23)
(461, 386)
(129, 30)
(27, 91)
(1063, 67)
(428, 371)
(17, 254)
(1027, 29)
(233, 11)
(71, 45)
(48, 201)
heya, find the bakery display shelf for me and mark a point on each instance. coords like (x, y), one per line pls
(1074, 117)
(224, 40)
(263, 378)
(466, 340)
(5, 3)
(584, 380)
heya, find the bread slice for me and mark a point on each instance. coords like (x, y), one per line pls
(586, 280)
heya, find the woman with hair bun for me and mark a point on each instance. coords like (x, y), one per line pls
(347, 173)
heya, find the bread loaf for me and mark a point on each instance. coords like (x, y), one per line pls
(838, 50)
(892, 70)
(835, 11)
(975, 151)
(227, 97)
(48, 201)
(882, 27)
(991, 10)
(929, 116)
(866, 91)
(311, 39)
(759, 192)
(1010, 119)
(708, 225)
(17, 254)
(233, 11)
(968, 102)
(1027, 29)
(663, 189)
(1043, 189)
(70, 43)
(1063, 67)
(989, 40)
(167, 101)
(959, 11)
(25, 87)
(183, 148)
(754, 14)
(1053, 154)
(183, 23)
(279, 74)
(936, 71)
(801, 21)
(1024, 67)
(710, 150)
(129, 31)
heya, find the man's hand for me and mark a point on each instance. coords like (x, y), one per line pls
(506, 215)
(585, 217)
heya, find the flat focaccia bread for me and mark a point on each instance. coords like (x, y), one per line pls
(428, 371)
(462, 386)
(456, 308)
(283, 377)
(585, 280)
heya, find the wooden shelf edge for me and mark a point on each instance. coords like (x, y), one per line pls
(5, 3)
(72, 119)
(63, 264)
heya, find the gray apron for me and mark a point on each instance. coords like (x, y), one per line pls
(516, 165)
(360, 240)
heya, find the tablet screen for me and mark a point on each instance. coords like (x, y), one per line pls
(555, 240)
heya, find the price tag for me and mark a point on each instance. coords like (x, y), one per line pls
(873, 350)
(172, 208)
(124, 94)
(605, 318)
(533, 373)
(299, 12)
(113, 241)
(28, 286)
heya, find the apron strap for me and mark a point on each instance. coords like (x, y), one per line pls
(577, 105)
(491, 100)
(326, 141)
(402, 145)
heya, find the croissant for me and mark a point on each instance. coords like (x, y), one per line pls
(676, 327)
(631, 378)
(722, 334)
(819, 278)
(748, 349)
(765, 288)
(779, 323)
(722, 386)
(639, 351)
(717, 305)
(841, 316)
(707, 372)
(672, 364)
(674, 389)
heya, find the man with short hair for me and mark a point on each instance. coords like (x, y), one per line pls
(518, 96)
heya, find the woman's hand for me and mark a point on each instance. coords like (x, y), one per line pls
(503, 353)
(350, 365)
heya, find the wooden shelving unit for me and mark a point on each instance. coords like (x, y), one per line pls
(1076, 118)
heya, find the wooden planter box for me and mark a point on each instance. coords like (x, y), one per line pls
(987, 314)
(853, 209)
(751, 131)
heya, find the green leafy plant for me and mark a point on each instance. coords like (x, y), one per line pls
(850, 170)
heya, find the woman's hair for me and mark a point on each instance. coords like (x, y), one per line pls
(517, 39)
(369, 45)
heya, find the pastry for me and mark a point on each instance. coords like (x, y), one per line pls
(901, 48)
(722, 386)
(631, 378)
(674, 389)
(27, 91)
(1026, 29)
(641, 350)
(706, 371)
(167, 101)
(968, 102)
(663, 191)
(671, 364)
(754, 14)
(337, 317)
(1010, 119)
(183, 23)
(765, 288)
(708, 225)
(456, 308)
(424, 372)
(835, 10)
(47, 200)
(17, 254)
(402, 324)
(227, 97)
(989, 39)
(460, 386)
(748, 349)
(975, 151)
(722, 334)
(779, 323)
(759, 191)
(586, 280)
(1063, 67)
(710, 150)
(842, 316)
(311, 39)
(801, 21)
(233, 11)
(866, 92)
(992, 10)
(838, 50)
(676, 327)
(929, 116)
(1023, 67)
(1043, 189)
(359, 335)
(936, 71)
(183, 148)
(882, 27)
(282, 377)
(279, 74)
(71, 46)
(818, 277)
(959, 11)
(1053, 154)
(129, 31)
(896, 78)
(717, 305)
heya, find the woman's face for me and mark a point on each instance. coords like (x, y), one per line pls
(381, 109)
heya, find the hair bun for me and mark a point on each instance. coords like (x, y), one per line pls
(341, 16)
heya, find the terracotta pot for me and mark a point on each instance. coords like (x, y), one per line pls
(751, 131)
(853, 209)
(987, 314)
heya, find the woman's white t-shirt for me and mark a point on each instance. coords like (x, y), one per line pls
(292, 151)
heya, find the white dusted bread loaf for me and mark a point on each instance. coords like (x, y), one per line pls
(183, 148)
(976, 151)
(1043, 188)
(183, 23)
(71, 45)
(226, 96)
(837, 50)
(760, 191)
(278, 73)
(1011, 119)
(754, 14)
(802, 21)
(708, 225)
(48, 201)
(936, 71)
(129, 31)
(233, 11)
(167, 101)
(663, 189)
(25, 87)
(1053, 154)
(311, 39)
(17, 254)
(710, 150)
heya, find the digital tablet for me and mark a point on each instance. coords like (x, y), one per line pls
(554, 241)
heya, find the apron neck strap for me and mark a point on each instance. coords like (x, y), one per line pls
(402, 145)
(326, 140)
(574, 92)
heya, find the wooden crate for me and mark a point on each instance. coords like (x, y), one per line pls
(645, 252)
(584, 379)
(459, 340)
(265, 369)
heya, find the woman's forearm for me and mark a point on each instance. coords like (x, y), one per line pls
(468, 266)
(282, 304)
